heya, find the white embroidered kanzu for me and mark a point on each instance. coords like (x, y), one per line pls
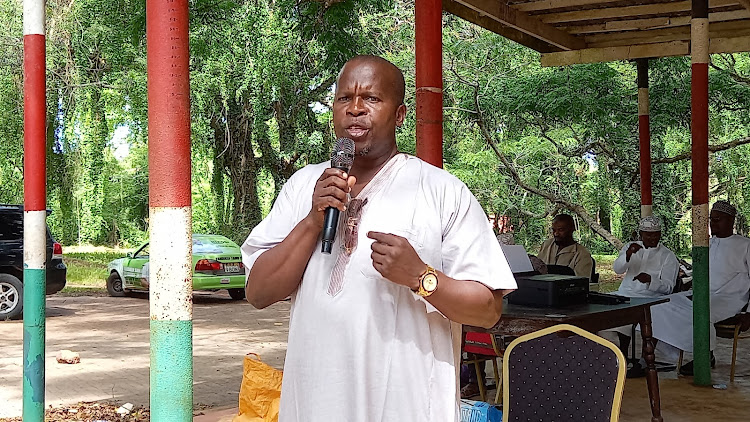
(348, 226)
(659, 262)
(375, 351)
(729, 289)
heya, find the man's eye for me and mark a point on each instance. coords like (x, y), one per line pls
(342, 98)
(371, 98)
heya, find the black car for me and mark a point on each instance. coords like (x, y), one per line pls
(11, 262)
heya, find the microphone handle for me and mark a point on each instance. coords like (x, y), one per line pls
(330, 222)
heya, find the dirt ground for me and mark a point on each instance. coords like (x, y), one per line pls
(112, 337)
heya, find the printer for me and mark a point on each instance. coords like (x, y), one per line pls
(542, 290)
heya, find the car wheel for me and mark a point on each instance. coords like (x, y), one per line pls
(11, 297)
(114, 286)
(237, 294)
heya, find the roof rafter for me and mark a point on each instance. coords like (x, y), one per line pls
(607, 54)
(621, 12)
(642, 51)
(717, 29)
(521, 21)
(488, 23)
(534, 6)
(652, 23)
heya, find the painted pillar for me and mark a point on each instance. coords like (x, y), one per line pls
(429, 85)
(644, 137)
(35, 208)
(170, 211)
(699, 127)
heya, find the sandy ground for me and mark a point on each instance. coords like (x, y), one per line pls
(112, 337)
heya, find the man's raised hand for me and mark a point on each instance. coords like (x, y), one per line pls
(330, 191)
(395, 259)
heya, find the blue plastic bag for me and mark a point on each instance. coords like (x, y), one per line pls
(479, 411)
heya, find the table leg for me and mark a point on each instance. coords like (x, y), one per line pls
(652, 378)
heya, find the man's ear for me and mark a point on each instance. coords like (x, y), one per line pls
(400, 115)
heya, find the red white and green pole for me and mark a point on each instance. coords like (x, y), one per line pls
(428, 34)
(699, 127)
(170, 211)
(644, 138)
(35, 209)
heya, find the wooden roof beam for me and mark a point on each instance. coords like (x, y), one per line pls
(490, 24)
(608, 54)
(534, 6)
(653, 23)
(660, 9)
(739, 28)
(641, 51)
(521, 21)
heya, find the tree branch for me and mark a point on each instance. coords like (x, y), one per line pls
(553, 198)
(711, 148)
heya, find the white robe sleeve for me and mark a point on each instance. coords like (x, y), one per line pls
(663, 281)
(620, 266)
(470, 250)
(274, 228)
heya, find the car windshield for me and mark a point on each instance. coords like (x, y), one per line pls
(203, 246)
(142, 253)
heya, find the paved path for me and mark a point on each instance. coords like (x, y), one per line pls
(112, 337)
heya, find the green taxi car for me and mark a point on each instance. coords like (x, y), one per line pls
(217, 264)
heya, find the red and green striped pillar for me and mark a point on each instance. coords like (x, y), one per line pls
(644, 138)
(35, 209)
(699, 125)
(170, 212)
(428, 40)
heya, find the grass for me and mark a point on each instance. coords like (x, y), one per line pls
(87, 268)
(608, 280)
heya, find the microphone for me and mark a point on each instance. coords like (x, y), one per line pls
(342, 158)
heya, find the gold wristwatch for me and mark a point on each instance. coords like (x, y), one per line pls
(428, 282)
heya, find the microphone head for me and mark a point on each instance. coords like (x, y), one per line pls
(342, 156)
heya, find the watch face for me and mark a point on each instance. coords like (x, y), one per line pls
(429, 282)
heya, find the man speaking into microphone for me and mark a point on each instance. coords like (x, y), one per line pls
(375, 326)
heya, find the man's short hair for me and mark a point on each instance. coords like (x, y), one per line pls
(565, 218)
(400, 87)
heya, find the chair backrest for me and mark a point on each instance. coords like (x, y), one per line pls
(560, 269)
(548, 376)
(481, 344)
(731, 327)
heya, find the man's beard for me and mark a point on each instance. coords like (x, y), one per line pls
(364, 151)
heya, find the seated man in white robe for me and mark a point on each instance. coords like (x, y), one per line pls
(650, 269)
(729, 288)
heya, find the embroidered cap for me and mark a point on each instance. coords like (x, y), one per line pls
(725, 207)
(649, 224)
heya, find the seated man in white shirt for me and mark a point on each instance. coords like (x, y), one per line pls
(650, 269)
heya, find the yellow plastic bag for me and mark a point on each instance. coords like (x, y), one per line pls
(260, 392)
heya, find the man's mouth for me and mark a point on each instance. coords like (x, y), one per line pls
(356, 131)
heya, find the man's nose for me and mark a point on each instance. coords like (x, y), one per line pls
(356, 107)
